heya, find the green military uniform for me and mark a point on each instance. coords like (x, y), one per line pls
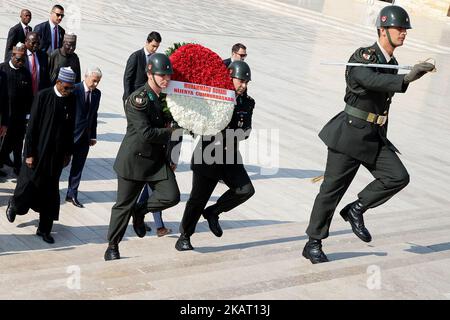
(353, 141)
(142, 159)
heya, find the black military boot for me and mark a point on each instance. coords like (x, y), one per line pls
(139, 212)
(313, 251)
(183, 243)
(353, 213)
(112, 253)
(213, 222)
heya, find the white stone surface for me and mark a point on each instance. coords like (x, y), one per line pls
(295, 96)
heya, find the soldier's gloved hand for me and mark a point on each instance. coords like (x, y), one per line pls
(418, 71)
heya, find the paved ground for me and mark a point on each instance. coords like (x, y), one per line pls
(263, 238)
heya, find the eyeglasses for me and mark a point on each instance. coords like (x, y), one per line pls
(242, 55)
(59, 14)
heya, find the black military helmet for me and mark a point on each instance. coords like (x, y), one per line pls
(240, 70)
(393, 16)
(160, 64)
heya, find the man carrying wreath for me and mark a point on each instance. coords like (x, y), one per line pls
(217, 158)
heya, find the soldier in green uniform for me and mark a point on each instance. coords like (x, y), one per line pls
(221, 163)
(358, 135)
(142, 157)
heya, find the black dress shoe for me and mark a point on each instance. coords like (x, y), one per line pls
(112, 253)
(77, 203)
(313, 251)
(138, 220)
(45, 236)
(353, 213)
(213, 222)
(147, 227)
(183, 243)
(10, 212)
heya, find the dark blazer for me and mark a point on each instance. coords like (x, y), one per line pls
(135, 75)
(86, 119)
(44, 78)
(142, 154)
(43, 29)
(15, 34)
(372, 90)
(227, 62)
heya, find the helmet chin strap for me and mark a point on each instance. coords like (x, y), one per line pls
(154, 81)
(390, 39)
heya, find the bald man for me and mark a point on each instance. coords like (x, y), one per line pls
(18, 32)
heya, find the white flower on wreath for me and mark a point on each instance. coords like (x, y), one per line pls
(201, 116)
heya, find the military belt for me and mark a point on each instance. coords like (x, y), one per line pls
(367, 116)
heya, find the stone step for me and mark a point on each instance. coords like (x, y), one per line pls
(172, 265)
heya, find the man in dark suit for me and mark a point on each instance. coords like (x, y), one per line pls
(142, 158)
(135, 75)
(85, 133)
(36, 63)
(224, 162)
(238, 53)
(18, 32)
(50, 32)
(20, 99)
(358, 135)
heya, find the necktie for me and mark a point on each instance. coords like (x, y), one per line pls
(87, 103)
(34, 79)
(55, 29)
(27, 29)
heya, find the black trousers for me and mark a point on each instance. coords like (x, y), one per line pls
(241, 189)
(80, 153)
(13, 141)
(165, 195)
(390, 177)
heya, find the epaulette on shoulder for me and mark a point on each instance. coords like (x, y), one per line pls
(139, 99)
(365, 55)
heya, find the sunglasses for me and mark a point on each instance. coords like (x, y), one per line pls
(59, 14)
(242, 55)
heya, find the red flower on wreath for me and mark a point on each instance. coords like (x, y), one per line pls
(196, 64)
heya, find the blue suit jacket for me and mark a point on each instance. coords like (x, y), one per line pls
(86, 119)
(46, 36)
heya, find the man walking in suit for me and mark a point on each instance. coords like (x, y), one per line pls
(135, 75)
(85, 133)
(238, 53)
(358, 135)
(36, 63)
(50, 32)
(18, 32)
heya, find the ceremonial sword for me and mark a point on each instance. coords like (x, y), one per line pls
(368, 65)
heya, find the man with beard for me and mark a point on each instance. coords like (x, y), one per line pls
(65, 57)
